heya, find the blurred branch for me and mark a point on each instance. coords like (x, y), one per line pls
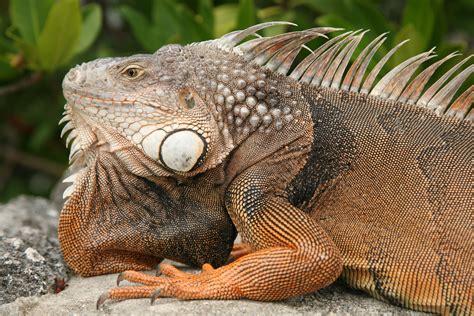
(21, 84)
(6, 172)
(12, 155)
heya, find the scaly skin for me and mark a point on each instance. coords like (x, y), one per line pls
(321, 176)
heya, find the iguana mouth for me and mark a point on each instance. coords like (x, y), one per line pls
(90, 102)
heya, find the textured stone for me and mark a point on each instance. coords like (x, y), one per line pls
(30, 260)
(81, 295)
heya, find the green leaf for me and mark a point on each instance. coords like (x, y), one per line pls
(141, 28)
(358, 13)
(41, 135)
(6, 70)
(440, 26)
(276, 14)
(7, 45)
(420, 15)
(225, 19)
(60, 34)
(322, 6)
(189, 30)
(170, 23)
(247, 14)
(91, 25)
(334, 21)
(269, 12)
(29, 16)
(205, 17)
(30, 52)
(166, 19)
(413, 47)
(367, 15)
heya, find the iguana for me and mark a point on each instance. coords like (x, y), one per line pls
(325, 171)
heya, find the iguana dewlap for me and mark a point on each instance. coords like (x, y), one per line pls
(324, 170)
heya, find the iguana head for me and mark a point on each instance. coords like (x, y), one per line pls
(146, 101)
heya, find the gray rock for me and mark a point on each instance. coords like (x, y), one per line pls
(30, 262)
(82, 293)
(32, 212)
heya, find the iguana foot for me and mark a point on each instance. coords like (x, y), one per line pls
(169, 282)
(265, 275)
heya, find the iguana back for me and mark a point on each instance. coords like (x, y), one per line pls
(390, 178)
(401, 212)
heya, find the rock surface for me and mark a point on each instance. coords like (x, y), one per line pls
(30, 262)
(82, 293)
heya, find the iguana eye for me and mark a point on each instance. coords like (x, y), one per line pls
(133, 72)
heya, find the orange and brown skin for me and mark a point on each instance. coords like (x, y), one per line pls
(115, 221)
(377, 192)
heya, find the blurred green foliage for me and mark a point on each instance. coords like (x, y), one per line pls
(41, 39)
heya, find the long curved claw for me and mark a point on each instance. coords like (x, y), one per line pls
(139, 277)
(126, 293)
(155, 295)
(120, 278)
(102, 299)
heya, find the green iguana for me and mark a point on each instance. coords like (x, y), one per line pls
(325, 172)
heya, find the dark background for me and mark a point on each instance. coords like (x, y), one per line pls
(41, 39)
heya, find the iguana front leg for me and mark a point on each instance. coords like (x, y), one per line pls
(293, 256)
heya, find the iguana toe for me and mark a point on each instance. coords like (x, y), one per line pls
(155, 295)
(125, 293)
(101, 300)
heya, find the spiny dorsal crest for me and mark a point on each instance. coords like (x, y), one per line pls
(328, 67)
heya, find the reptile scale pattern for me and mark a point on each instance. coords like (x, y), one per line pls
(419, 180)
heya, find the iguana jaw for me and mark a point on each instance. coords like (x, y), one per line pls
(87, 137)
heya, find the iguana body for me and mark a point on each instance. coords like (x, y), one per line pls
(322, 172)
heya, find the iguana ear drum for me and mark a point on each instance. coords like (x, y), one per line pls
(183, 150)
